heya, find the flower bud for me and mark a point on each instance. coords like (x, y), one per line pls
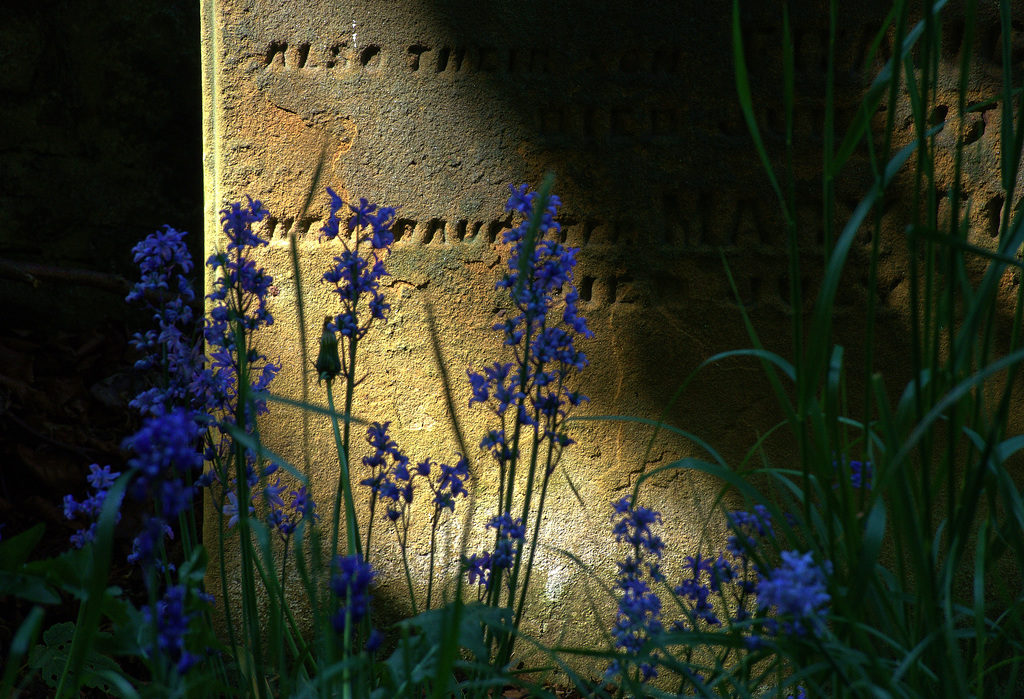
(328, 363)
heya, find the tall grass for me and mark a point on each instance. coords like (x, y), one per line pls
(914, 503)
(884, 560)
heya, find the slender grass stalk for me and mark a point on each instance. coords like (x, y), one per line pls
(353, 545)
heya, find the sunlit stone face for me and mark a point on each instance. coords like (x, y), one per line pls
(435, 108)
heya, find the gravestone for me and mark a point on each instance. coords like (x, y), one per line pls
(435, 108)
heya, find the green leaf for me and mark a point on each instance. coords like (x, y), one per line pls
(27, 587)
(51, 657)
(14, 552)
(19, 648)
(415, 661)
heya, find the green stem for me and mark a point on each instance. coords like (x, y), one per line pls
(408, 578)
(548, 470)
(433, 549)
(249, 602)
(344, 490)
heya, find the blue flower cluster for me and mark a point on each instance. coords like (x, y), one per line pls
(451, 483)
(388, 480)
(639, 615)
(354, 276)
(166, 460)
(861, 473)
(100, 479)
(392, 478)
(542, 339)
(706, 576)
(238, 301)
(748, 528)
(351, 585)
(791, 598)
(189, 397)
(171, 352)
(253, 477)
(171, 619)
(798, 591)
(239, 297)
(486, 568)
(172, 348)
(284, 518)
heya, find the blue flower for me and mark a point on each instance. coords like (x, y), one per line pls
(285, 518)
(172, 620)
(167, 451)
(231, 509)
(166, 459)
(303, 504)
(634, 527)
(748, 528)
(171, 351)
(147, 546)
(861, 473)
(361, 214)
(101, 478)
(382, 477)
(541, 331)
(239, 296)
(354, 276)
(639, 614)
(798, 591)
(451, 484)
(486, 567)
(351, 585)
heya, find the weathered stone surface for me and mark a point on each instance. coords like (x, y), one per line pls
(435, 108)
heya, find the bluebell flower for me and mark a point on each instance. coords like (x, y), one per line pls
(285, 518)
(478, 568)
(385, 464)
(541, 332)
(861, 473)
(231, 509)
(798, 590)
(639, 614)
(486, 568)
(171, 351)
(166, 459)
(634, 527)
(451, 484)
(357, 277)
(351, 585)
(147, 546)
(303, 504)
(101, 478)
(172, 621)
(748, 528)
(239, 296)
(496, 443)
(392, 479)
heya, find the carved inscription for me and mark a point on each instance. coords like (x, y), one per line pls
(630, 108)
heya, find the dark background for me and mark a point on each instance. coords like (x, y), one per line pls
(100, 144)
